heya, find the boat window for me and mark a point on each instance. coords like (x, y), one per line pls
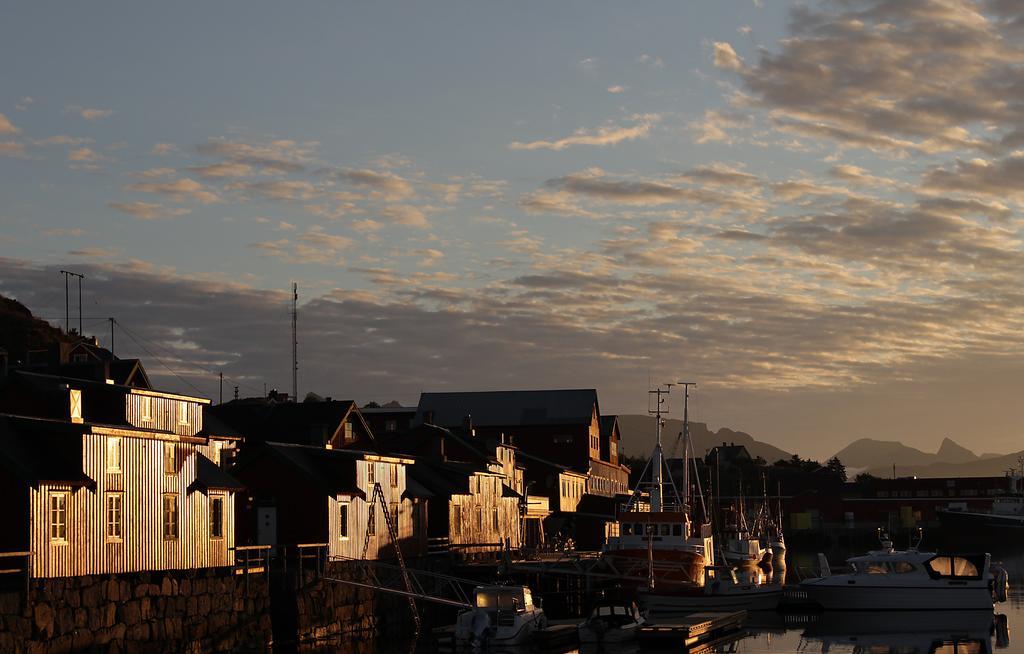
(619, 610)
(677, 530)
(638, 529)
(876, 568)
(901, 567)
(959, 647)
(955, 566)
(604, 610)
(964, 568)
(664, 530)
(627, 529)
(527, 599)
(487, 599)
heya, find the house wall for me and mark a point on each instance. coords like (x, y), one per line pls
(391, 477)
(472, 527)
(143, 484)
(570, 489)
(606, 479)
(164, 413)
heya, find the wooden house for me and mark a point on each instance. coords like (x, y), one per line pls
(304, 494)
(326, 423)
(390, 419)
(104, 478)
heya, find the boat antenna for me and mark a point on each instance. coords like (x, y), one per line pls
(657, 459)
(686, 443)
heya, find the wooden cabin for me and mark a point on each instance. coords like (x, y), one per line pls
(303, 494)
(103, 478)
(329, 423)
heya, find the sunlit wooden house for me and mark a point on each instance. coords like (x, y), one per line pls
(305, 494)
(99, 478)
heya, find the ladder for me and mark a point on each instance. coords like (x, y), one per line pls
(378, 493)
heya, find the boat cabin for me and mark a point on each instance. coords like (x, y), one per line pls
(936, 566)
(504, 598)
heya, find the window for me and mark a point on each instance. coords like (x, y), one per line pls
(182, 413)
(113, 516)
(394, 475)
(390, 425)
(75, 398)
(371, 520)
(955, 566)
(677, 529)
(497, 522)
(371, 474)
(343, 520)
(394, 516)
(479, 522)
(80, 357)
(348, 431)
(216, 517)
(147, 407)
(113, 454)
(59, 517)
(170, 516)
(170, 463)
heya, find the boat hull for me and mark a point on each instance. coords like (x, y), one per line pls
(863, 597)
(679, 566)
(965, 527)
(672, 603)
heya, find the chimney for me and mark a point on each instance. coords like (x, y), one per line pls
(428, 417)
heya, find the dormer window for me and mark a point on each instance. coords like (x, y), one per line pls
(147, 407)
(348, 431)
(182, 413)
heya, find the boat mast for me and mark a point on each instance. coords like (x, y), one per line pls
(686, 444)
(657, 491)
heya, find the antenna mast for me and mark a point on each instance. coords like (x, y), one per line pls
(686, 443)
(295, 342)
(657, 491)
(67, 305)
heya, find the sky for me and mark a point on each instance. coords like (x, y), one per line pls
(812, 209)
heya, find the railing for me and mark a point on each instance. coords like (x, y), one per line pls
(438, 545)
(25, 569)
(252, 559)
(316, 552)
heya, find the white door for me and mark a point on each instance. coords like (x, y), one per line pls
(266, 525)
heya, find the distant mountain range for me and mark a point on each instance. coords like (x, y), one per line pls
(638, 438)
(878, 457)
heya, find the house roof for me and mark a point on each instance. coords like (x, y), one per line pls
(509, 408)
(307, 423)
(332, 471)
(210, 476)
(38, 450)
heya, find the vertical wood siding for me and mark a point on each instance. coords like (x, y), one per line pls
(352, 547)
(143, 484)
(486, 495)
(164, 414)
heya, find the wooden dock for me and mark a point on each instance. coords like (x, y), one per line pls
(696, 628)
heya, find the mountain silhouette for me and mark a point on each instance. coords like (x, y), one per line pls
(638, 438)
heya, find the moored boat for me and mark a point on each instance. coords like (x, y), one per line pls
(502, 615)
(611, 621)
(724, 588)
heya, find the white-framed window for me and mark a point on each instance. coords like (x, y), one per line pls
(80, 357)
(58, 516)
(348, 431)
(75, 398)
(371, 474)
(216, 516)
(147, 407)
(170, 459)
(113, 454)
(114, 516)
(182, 413)
(390, 425)
(343, 511)
(170, 516)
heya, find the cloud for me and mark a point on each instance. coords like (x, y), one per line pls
(148, 210)
(64, 231)
(284, 189)
(24, 103)
(726, 58)
(602, 136)
(84, 155)
(88, 113)
(277, 156)
(180, 189)
(12, 149)
(155, 173)
(63, 139)
(980, 177)
(715, 126)
(649, 60)
(387, 183)
(222, 170)
(404, 214)
(6, 127)
(161, 149)
(95, 253)
(314, 245)
(616, 89)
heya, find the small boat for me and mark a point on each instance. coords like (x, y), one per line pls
(900, 580)
(611, 621)
(502, 615)
(725, 588)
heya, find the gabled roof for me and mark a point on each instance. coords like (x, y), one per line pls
(210, 476)
(509, 408)
(332, 471)
(307, 423)
(37, 450)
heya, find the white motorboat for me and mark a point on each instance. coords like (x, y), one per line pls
(502, 615)
(724, 588)
(900, 580)
(611, 621)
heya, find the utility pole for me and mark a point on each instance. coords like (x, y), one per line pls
(67, 304)
(236, 392)
(295, 342)
(111, 335)
(221, 388)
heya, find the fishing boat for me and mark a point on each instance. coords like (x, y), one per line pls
(899, 580)
(654, 536)
(611, 621)
(725, 588)
(502, 615)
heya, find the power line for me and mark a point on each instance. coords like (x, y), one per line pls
(161, 361)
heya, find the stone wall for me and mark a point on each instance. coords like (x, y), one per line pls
(181, 611)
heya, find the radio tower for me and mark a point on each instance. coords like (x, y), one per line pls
(295, 342)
